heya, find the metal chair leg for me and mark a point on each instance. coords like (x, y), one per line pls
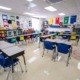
(43, 52)
(8, 74)
(20, 66)
(68, 59)
(39, 44)
(53, 56)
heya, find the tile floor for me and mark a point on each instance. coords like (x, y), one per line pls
(43, 68)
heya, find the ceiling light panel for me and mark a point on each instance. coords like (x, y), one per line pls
(50, 8)
(5, 8)
(27, 13)
(29, 0)
(61, 14)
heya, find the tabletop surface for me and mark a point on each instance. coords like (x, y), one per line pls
(6, 45)
(47, 35)
(2, 42)
(59, 41)
(20, 35)
(70, 35)
(11, 37)
(12, 50)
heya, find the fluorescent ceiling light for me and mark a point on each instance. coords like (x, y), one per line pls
(32, 5)
(61, 14)
(50, 8)
(5, 8)
(29, 0)
(31, 14)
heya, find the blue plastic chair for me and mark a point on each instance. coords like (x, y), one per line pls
(65, 49)
(64, 37)
(7, 63)
(34, 36)
(49, 46)
(51, 32)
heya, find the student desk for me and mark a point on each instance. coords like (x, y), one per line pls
(69, 36)
(18, 36)
(42, 38)
(55, 41)
(59, 41)
(14, 52)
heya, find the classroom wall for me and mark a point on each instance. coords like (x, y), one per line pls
(24, 20)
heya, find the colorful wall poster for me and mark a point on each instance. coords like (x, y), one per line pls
(4, 17)
(14, 24)
(5, 20)
(12, 18)
(18, 24)
(50, 21)
(73, 19)
(66, 20)
(78, 20)
(57, 20)
(5, 23)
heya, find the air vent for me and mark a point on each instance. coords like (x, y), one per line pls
(53, 1)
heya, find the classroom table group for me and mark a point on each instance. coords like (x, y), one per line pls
(12, 51)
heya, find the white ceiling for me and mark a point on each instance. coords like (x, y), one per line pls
(69, 7)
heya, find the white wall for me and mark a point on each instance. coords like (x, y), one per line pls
(22, 19)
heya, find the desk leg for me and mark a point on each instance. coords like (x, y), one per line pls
(69, 38)
(12, 70)
(24, 62)
(77, 40)
(39, 43)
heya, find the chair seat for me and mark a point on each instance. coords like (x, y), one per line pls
(7, 62)
(28, 37)
(21, 38)
(73, 37)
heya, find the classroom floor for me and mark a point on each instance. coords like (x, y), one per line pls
(42, 68)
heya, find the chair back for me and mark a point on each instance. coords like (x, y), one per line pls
(2, 60)
(64, 37)
(34, 36)
(51, 32)
(60, 33)
(42, 34)
(51, 37)
(48, 45)
(73, 37)
(21, 38)
(13, 40)
(73, 32)
(62, 48)
(28, 37)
